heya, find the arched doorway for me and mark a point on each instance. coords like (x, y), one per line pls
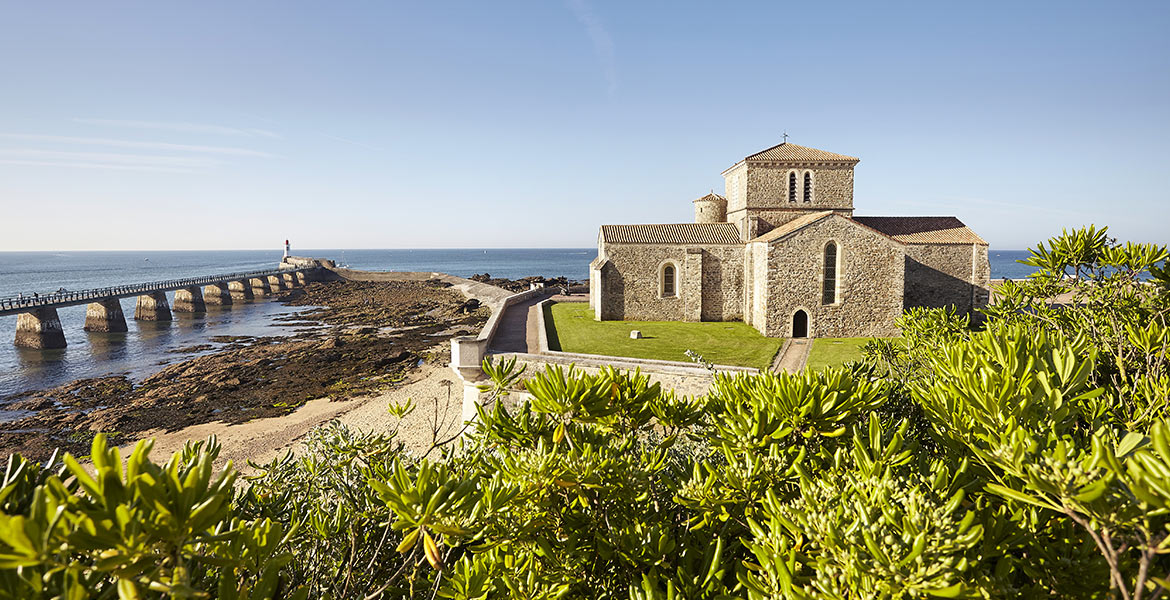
(800, 324)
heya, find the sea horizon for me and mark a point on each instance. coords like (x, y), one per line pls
(150, 345)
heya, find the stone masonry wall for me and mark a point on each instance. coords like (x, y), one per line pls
(755, 270)
(722, 283)
(735, 187)
(939, 275)
(771, 218)
(766, 194)
(870, 275)
(767, 187)
(981, 277)
(710, 212)
(630, 286)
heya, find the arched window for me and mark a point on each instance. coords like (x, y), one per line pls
(668, 281)
(808, 186)
(829, 289)
(792, 186)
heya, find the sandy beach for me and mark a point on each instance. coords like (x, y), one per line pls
(430, 386)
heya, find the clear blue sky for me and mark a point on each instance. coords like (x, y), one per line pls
(166, 125)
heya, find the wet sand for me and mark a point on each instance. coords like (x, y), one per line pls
(262, 440)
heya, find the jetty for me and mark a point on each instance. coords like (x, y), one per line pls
(38, 326)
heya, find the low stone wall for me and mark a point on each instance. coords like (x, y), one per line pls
(467, 352)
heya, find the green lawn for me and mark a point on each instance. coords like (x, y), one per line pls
(571, 328)
(834, 352)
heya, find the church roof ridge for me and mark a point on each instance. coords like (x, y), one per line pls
(792, 226)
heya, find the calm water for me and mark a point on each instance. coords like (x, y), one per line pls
(147, 345)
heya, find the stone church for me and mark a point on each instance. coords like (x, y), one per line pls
(783, 252)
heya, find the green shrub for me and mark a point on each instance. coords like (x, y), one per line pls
(1029, 458)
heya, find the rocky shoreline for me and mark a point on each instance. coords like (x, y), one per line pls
(360, 338)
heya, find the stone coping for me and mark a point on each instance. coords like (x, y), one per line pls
(596, 361)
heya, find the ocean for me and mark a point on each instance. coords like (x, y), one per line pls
(148, 346)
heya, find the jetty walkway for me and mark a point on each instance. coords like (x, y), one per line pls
(38, 326)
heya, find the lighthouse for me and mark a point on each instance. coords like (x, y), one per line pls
(286, 248)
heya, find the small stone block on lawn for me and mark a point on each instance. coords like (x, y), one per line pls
(635, 335)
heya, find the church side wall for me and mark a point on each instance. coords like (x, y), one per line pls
(871, 277)
(709, 283)
(940, 275)
(722, 283)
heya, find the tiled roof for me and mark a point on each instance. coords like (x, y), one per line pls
(793, 225)
(923, 230)
(680, 233)
(792, 153)
(711, 197)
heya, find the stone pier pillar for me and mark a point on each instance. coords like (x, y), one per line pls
(259, 286)
(105, 316)
(152, 307)
(39, 328)
(276, 283)
(302, 278)
(240, 290)
(217, 294)
(290, 280)
(190, 300)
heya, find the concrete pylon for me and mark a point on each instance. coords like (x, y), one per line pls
(276, 283)
(217, 294)
(259, 286)
(105, 316)
(240, 290)
(190, 300)
(152, 307)
(39, 328)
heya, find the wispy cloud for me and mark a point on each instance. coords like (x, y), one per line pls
(111, 160)
(63, 139)
(602, 42)
(349, 141)
(182, 127)
(88, 165)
